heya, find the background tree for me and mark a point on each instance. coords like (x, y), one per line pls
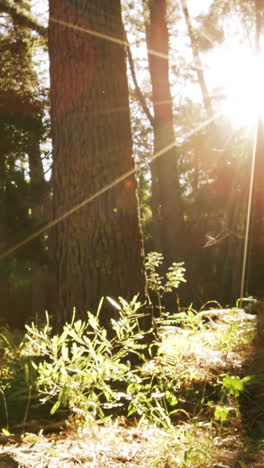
(23, 186)
(167, 210)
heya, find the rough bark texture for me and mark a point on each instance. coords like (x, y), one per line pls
(256, 240)
(166, 197)
(99, 248)
(256, 244)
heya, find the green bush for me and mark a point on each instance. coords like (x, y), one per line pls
(86, 370)
(83, 369)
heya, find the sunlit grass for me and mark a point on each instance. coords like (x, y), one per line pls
(210, 347)
(177, 392)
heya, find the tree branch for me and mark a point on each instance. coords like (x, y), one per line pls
(138, 92)
(21, 15)
(197, 61)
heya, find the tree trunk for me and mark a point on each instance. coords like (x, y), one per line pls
(40, 207)
(256, 262)
(98, 249)
(166, 197)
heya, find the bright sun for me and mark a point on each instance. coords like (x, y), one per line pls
(241, 75)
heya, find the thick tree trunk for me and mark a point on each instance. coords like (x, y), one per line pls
(166, 197)
(99, 248)
(256, 261)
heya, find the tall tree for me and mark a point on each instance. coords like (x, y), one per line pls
(167, 208)
(256, 265)
(99, 248)
(38, 185)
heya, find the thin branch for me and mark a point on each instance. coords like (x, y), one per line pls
(138, 91)
(197, 61)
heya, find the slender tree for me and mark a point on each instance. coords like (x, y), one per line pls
(99, 248)
(167, 208)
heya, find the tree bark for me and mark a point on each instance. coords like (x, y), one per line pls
(256, 242)
(98, 250)
(256, 238)
(167, 208)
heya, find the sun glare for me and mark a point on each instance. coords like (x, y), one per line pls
(241, 76)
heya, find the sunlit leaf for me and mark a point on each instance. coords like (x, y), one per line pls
(113, 303)
(55, 407)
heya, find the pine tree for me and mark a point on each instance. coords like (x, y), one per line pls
(99, 248)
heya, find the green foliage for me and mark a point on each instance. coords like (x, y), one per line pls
(24, 128)
(232, 385)
(17, 377)
(156, 281)
(88, 374)
(221, 413)
(86, 371)
(231, 388)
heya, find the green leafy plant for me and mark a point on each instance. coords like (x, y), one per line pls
(231, 388)
(157, 282)
(83, 369)
(232, 385)
(221, 413)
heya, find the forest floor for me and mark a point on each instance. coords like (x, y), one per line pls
(199, 436)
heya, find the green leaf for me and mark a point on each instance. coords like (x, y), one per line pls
(234, 385)
(55, 407)
(99, 307)
(221, 413)
(113, 303)
(171, 399)
(93, 321)
(63, 396)
(78, 326)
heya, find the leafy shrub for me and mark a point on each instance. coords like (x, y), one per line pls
(156, 282)
(85, 370)
(91, 373)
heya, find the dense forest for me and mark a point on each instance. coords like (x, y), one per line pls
(132, 142)
(131, 233)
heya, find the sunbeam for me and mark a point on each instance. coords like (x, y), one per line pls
(100, 192)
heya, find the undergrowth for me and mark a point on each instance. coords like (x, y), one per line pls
(184, 389)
